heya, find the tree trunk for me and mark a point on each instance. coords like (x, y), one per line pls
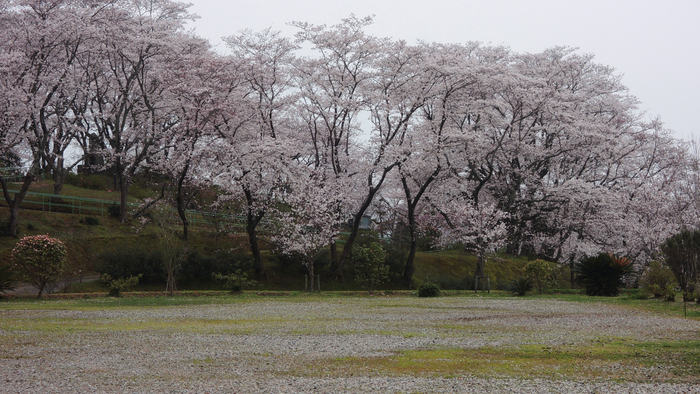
(14, 218)
(58, 179)
(310, 267)
(571, 269)
(334, 256)
(15, 203)
(180, 201)
(253, 217)
(407, 279)
(170, 285)
(58, 172)
(338, 272)
(124, 194)
(409, 269)
(123, 181)
(183, 217)
(257, 257)
(481, 263)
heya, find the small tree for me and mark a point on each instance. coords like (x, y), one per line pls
(116, 286)
(683, 258)
(541, 273)
(39, 260)
(174, 249)
(234, 281)
(657, 278)
(602, 275)
(370, 269)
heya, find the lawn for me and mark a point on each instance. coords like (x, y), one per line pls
(338, 342)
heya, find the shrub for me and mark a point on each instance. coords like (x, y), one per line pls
(429, 290)
(370, 269)
(39, 260)
(521, 286)
(7, 276)
(116, 286)
(126, 260)
(200, 265)
(602, 275)
(541, 273)
(234, 281)
(669, 292)
(656, 278)
(113, 210)
(683, 258)
(90, 221)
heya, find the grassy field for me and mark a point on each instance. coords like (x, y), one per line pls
(463, 340)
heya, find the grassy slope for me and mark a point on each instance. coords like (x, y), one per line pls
(85, 242)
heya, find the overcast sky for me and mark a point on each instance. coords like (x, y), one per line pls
(654, 44)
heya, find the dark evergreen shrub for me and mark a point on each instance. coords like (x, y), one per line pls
(521, 286)
(602, 275)
(429, 290)
(113, 210)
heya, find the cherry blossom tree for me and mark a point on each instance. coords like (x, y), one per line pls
(453, 78)
(131, 108)
(206, 96)
(39, 52)
(258, 148)
(310, 221)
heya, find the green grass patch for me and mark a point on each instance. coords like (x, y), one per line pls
(606, 360)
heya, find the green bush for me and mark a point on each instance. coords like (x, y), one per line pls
(602, 275)
(369, 265)
(39, 260)
(656, 278)
(542, 274)
(116, 286)
(669, 293)
(234, 281)
(429, 290)
(521, 286)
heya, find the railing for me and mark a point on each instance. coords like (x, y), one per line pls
(92, 206)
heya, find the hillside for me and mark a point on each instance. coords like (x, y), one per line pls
(95, 239)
